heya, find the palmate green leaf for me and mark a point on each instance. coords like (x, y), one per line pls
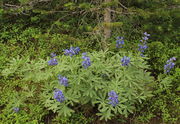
(103, 109)
(9, 71)
(65, 111)
(123, 100)
(165, 83)
(101, 105)
(125, 112)
(30, 92)
(122, 106)
(89, 92)
(14, 66)
(40, 76)
(54, 106)
(99, 86)
(105, 115)
(73, 95)
(130, 109)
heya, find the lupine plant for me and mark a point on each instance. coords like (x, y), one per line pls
(169, 65)
(63, 80)
(113, 97)
(16, 109)
(125, 61)
(53, 55)
(143, 46)
(59, 96)
(72, 51)
(112, 82)
(119, 42)
(53, 60)
(87, 62)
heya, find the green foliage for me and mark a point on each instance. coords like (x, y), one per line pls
(86, 86)
(165, 103)
(76, 118)
(16, 93)
(160, 53)
(30, 30)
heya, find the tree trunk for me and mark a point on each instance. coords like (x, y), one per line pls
(107, 21)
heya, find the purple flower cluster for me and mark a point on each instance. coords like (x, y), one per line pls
(72, 51)
(53, 55)
(16, 109)
(53, 60)
(63, 80)
(125, 61)
(87, 62)
(169, 65)
(113, 97)
(119, 42)
(143, 46)
(146, 35)
(59, 96)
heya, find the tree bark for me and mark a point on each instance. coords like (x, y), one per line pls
(107, 21)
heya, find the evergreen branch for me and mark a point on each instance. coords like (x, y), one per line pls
(122, 5)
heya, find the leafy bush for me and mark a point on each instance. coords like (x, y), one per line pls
(89, 82)
(159, 53)
(165, 104)
(31, 29)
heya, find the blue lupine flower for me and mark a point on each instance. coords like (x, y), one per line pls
(142, 55)
(169, 65)
(143, 46)
(171, 59)
(53, 55)
(87, 62)
(145, 38)
(59, 96)
(84, 54)
(16, 109)
(125, 61)
(63, 80)
(77, 50)
(119, 42)
(72, 51)
(146, 34)
(113, 97)
(66, 52)
(53, 61)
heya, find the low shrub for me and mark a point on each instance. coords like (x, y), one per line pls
(112, 83)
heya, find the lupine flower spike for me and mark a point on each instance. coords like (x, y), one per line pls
(53, 55)
(169, 65)
(16, 109)
(143, 45)
(87, 62)
(113, 97)
(63, 80)
(125, 61)
(53, 60)
(72, 51)
(119, 42)
(59, 96)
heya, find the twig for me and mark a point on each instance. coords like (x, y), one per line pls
(122, 5)
(120, 12)
(10, 5)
